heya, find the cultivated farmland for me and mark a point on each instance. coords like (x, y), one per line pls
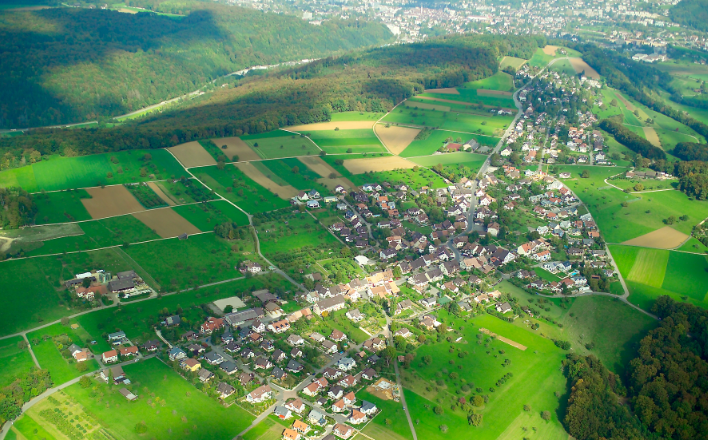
(61, 207)
(166, 222)
(205, 216)
(387, 163)
(235, 147)
(280, 143)
(111, 201)
(347, 141)
(192, 154)
(285, 192)
(396, 139)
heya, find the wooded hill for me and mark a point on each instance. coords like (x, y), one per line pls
(692, 13)
(67, 65)
(370, 80)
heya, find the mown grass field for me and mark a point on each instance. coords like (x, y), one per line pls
(294, 173)
(356, 116)
(187, 413)
(14, 361)
(201, 259)
(653, 272)
(437, 138)
(501, 81)
(470, 160)
(563, 66)
(205, 216)
(300, 232)
(540, 59)
(390, 412)
(279, 143)
(459, 122)
(61, 207)
(235, 186)
(50, 358)
(644, 213)
(347, 141)
(411, 177)
(99, 233)
(60, 173)
(536, 377)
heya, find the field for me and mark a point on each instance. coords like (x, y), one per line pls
(470, 160)
(280, 143)
(96, 234)
(436, 139)
(396, 139)
(536, 376)
(643, 213)
(60, 207)
(295, 174)
(186, 413)
(299, 232)
(50, 358)
(347, 141)
(581, 66)
(387, 163)
(111, 201)
(207, 215)
(232, 184)
(146, 196)
(235, 147)
(664, 238)
(57, 173)
(543, 56)
(355, 116)
(14, 361)
(184, 191)
(653, 272)
(563, 66)
(192, 154)
(459, 122)
(390, 411)
(411, 177)
(512, 62)
(161, 194)
(166, 223)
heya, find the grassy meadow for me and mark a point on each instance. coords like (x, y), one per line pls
(456, 122)
(436, 139)
(50, 358)
(61, 207)
(205, 216)
(14, 360)
(501, 81)
(347, 141)
(280, 143)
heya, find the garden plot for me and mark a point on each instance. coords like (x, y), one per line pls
(396, 139)
(161, 194)
(192, 154)
(111, 201)
(342, 125)
(664, 238)
(580, 65)
(236, 147)
(285, 192)
(388, 163)
(166, 223)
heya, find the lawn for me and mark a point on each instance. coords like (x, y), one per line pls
(536, 377)
(60, 173)
(60, 207)
(235, 186)
(298, 233)
(183, 411)
(201, 259)
(653, 272)
(546, 275)
(279, 143)
(99, 233)
(14, 361)
(644, 213)
(501, 81)
(437, 138)
(207, 215)
(563, 66)
(49, 358)
(514, 62)
(347, 141)
(392, 412)
(339, 321)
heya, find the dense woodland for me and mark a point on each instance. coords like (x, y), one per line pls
(16, 208)
(631, 140)
(693, 13)
(691, 151)
(73, 64)
(667, 384)
(367, 80)
(22, 390)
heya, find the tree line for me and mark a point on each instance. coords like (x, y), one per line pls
(65, 65)
(631, 140)
(691, 151)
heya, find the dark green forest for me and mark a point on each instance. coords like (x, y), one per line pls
(666, 396)
(693, 13)
(631, 140)
(67, 65)
(367, 80)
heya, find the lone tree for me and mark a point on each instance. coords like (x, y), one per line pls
(546, 415)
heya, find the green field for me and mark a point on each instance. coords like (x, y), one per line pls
(202, 259)
(653, 272)
(693, 245)
(187, 191)
(30, 429)
(457, 122)
(279, 143)
(342, 141)
(186, 414)
(470, 160)
(299, 232)
(644, 213)
(60, 207)
(390, 412)
(49, 357)
(235, 186)
(499, 81)
(60, 173)
(536, 376)
(207, 215)
(513, 62)
(99, 233)
(303, 179)
(436, 139)
(411, 177)
(563, 66)
(356, 116)
(540, 59)
(14, 361)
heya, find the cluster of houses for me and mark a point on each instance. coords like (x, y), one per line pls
(89, 285)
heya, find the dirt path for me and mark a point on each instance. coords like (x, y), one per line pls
(504, 340)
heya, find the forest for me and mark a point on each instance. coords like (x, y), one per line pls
(631, 140)
(66, 65)
(667, 383)
(693, 13)
(366, 80)
(18, 209)
(691, 151)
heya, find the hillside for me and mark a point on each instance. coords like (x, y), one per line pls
(71, 65)
(693, 13)
(372, 80)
